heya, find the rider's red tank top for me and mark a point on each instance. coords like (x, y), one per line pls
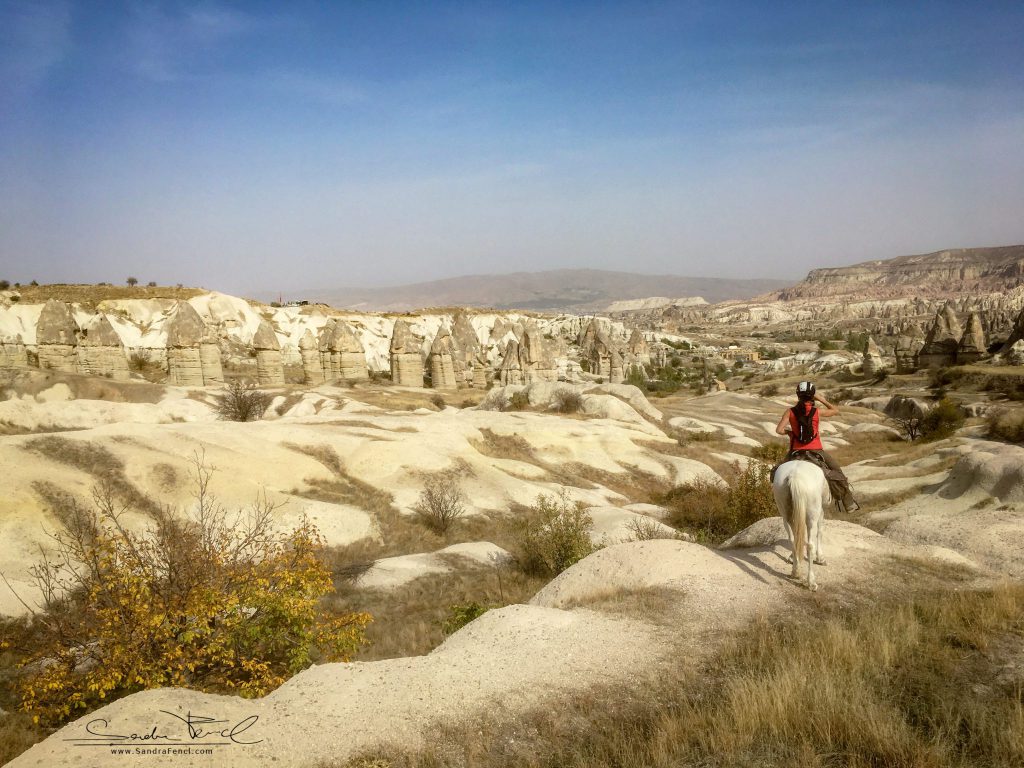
(814, 444)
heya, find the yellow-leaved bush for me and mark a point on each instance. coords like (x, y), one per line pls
(213, 601)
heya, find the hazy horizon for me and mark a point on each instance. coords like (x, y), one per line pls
(254, 147)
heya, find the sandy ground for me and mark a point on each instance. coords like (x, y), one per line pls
(515, 657)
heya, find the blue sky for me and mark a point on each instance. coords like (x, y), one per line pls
(279, 146)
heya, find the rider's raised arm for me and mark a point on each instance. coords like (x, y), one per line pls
(829, 409)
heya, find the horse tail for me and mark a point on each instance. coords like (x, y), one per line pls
(802, 490)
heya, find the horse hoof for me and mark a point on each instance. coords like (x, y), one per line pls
(813, 587)
(822, 561)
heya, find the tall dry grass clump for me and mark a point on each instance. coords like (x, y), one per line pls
(712, 511)
(553, 534)
(441, 503)
(1006, 425)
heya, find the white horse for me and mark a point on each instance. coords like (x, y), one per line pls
(801, 494)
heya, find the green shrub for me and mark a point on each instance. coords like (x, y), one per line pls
(770, 453)
(1006, 425)
(553, 535)
(942, 420)
(460, 614)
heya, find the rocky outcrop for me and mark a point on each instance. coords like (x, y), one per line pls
(210, 361)
(908, 345)
(510, 371)
(966, 270)
(13, 353)
(972, 344)
(466, 346)
(480, 371)
(1015, 354)
(607, 357)
(100, 352)
(406, 360)
(639, 350)
(269, 364)
(309, 352)
(872, 363)
(941, 341)
(535, 359)
(324, 348)
(442, 361)
(185, 332)
(57, 338)
(348, 358)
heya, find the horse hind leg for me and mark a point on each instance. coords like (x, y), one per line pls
(813, 529)
(819, 553)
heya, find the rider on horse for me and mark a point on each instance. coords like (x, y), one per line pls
(800, 423)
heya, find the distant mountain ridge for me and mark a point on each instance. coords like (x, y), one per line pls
(560, 290)
(946, 273)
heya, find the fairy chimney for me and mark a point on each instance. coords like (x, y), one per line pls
(940, 345)
(639, 350)
(348, 358)
(57, 337)
(480, 370)
(185, 332)
(324, 349)
(972, 344)
(269, 365)
(908, 345)
(510, 371)
(466, 345)
(309, 351)
(209, 360)
(101, 352)
(535, 357)
(872, 358)
(442, 361)
(406, 361)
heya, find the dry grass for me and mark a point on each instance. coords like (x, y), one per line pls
(95, 460)
(409, 620)
(930, 679)
(91, 295)
(657, 604)
(32, 382)
(393, 399)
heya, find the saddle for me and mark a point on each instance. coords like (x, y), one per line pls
(838, 484)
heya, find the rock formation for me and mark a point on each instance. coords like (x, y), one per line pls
(480, 370)
(309, 351)
(605, 355)
(1015, 354)
(269, 365)
(908, 345)
(57, 337)
(639, 351)
(100, 352)
(13, 353)
(406, 361)
(348, 358)
(972, 344)
(535, 360)
(324, 349)
(510, 371)
(186, 331)
(466, 345)
(209, 359)
(442, 361)
(872, 358)
(942, 340)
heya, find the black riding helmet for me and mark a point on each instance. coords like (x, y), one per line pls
(805, 390)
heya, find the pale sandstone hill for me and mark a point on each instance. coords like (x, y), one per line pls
(939, 274)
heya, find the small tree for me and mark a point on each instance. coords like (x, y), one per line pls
(151, 284)
(241, 401)
(441, 502)
(567, 400)
(213, 601)
(132, 282)
(4, 285)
